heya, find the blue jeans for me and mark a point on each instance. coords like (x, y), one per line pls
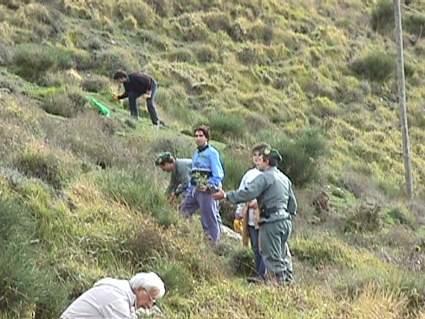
(150, 103)
(260, 267)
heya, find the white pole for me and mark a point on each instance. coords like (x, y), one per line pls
(402, 100)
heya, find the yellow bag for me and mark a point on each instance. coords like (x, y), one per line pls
(238, 226)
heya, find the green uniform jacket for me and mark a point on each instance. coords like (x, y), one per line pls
(272, 189)
(180, 177)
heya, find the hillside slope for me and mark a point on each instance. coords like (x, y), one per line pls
(81, 199)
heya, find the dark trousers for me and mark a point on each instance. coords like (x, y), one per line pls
(260, 267)
(150, 103)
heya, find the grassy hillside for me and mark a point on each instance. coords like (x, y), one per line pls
(81, 199)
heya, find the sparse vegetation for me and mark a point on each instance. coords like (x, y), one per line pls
(81, 198)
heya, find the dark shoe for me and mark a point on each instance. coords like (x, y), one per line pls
(256, 280)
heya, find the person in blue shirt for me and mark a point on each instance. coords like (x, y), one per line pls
(206, 178)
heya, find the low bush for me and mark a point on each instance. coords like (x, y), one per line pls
(323, 107)
(5, 54)
(321, 251)
(226, 126)
(164, 8)
(180, 55)
(137, 191)
(46, 166)
(414, 23)
(252, 55)
(375, 66)
(32, 61)
(91, 138)
(242, 262)
(110, 60)
(206, 53)
(142, 12)
(399, 215)
(236, 164)
(23, 282)
(179, 146)
(261, 33)
(366, 217)
(67, 104)
(96, 83)
(217, 21)
(301, 155)
(382, 18)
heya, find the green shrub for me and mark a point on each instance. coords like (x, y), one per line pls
(217, 21)
(117, 58)
(177, 278)
(261, 33)
(242, 262)
(398, 215)
(136, 191)
(96, 83)
(46, 166)
(32, 61)
(129, 23)
(414, 23)
(251, 55)
(180, 55)
(5, 54)
(90, 137)
(206, 53)
(324, 107)
(164, 8)
(365, 218)
(67, 104)
(382, 18)
(322, 250)
(179, 146)
(236, 164)
(375, 66)
(225, 126)
(141, 11)
(23, 282)
(300, 156)
(237, 32)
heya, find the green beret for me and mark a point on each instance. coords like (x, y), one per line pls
(165, 157)
(274, 153)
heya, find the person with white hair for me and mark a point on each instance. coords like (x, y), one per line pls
(118, 299)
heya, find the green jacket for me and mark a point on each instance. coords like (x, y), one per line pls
(273, 191)
(180, 177)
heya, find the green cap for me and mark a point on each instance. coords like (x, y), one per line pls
(272, 152)
(163, 158)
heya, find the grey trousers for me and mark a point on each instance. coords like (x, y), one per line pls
(273, 238)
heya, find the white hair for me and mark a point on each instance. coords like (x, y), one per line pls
(148, 281)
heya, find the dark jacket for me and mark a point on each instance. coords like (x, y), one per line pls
(137, 83)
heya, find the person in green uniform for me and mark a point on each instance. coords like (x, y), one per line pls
(277, 203)
(180, 169)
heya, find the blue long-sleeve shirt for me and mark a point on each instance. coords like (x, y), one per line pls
(208, 161)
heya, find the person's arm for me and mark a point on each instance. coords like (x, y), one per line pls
(249, 192)
(118, 310)
(172, 186)
(216, 169)
(292, 202)
(183, 181)
(122, 96)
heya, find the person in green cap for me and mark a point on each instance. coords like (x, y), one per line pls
(278, 205)
(180, 169)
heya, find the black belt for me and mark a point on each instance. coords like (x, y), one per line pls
(267, 212)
